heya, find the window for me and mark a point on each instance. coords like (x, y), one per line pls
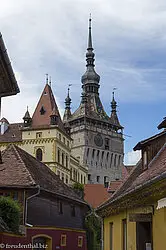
(67, 143)
(87, 153)
(105, 181)
(84, 180)
(58, 173)
(62, 177)
(111, 236)
(64, 140)
(60, 207)
(66, 161)
(42, 111)
(145, 160)
(63, 159)
(81, 178)
(80, 241)
(98, 178)
(15, 196)
(39, 154)
(60, 137)
(93, 153)
(38, 135)
(106, 143)
(73, 212)
(115, 160)
(111, 160)
(63, 239)
(67, 179)
(124, 234)
(89, 177)
(58, 155)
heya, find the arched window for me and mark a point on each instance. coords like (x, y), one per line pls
(66, 161)
(115, 160)
(39, 154)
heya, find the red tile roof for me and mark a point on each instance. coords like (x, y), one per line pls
(47, 101)
(20, 169)
(95, 194)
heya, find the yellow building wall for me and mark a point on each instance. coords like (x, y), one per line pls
(50, 140)
(159, 229)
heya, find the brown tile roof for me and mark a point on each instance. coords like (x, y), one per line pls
(12, 134)
(20, 169)
(8, 83)
(140, 179)
(126, 184)
(95, 194)
(48, 103)
(114, 185)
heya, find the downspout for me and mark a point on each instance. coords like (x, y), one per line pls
(26, 205)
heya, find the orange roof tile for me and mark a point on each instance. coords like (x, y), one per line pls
(95, 194)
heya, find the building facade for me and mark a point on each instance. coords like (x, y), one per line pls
(52, 213)
(97, 137)
(44, 136)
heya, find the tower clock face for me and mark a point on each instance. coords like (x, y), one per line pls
(98, 140)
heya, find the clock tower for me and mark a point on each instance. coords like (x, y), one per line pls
(97, 137)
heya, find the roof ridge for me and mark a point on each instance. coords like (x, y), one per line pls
(16, 151)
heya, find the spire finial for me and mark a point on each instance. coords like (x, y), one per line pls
(113, 103)
(27, 108)
(50, 81)
(46, 78)
(90, 35)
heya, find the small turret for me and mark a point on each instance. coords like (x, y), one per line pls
(114, 117)
(67, 112)
(4, 125)
(27, 119)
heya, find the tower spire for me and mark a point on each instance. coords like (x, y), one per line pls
(67, 112)
(114, 117)
(46, 78)
(90, 79)
(90, 34)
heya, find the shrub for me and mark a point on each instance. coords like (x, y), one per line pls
(10, 213)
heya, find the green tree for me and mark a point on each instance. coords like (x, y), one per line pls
(93, 228)
(10, 213)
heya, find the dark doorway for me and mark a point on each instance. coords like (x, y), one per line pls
(144, 235)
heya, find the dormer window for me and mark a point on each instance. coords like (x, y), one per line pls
(42, 111)
(145, 159)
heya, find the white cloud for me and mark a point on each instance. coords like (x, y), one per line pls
(132, 157)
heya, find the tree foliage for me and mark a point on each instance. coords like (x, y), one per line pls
(93, 228)
(10, 213)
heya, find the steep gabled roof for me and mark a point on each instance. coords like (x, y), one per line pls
(20, 169)
(8, 83)
(45, 108)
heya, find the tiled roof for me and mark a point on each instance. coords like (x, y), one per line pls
(162, 124)
(48, 104)
(139, 179)
(12, 134)
(20, 169)
(126, 184)
(95, 194)
(8, 83)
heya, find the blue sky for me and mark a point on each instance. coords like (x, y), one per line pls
(129, 38)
